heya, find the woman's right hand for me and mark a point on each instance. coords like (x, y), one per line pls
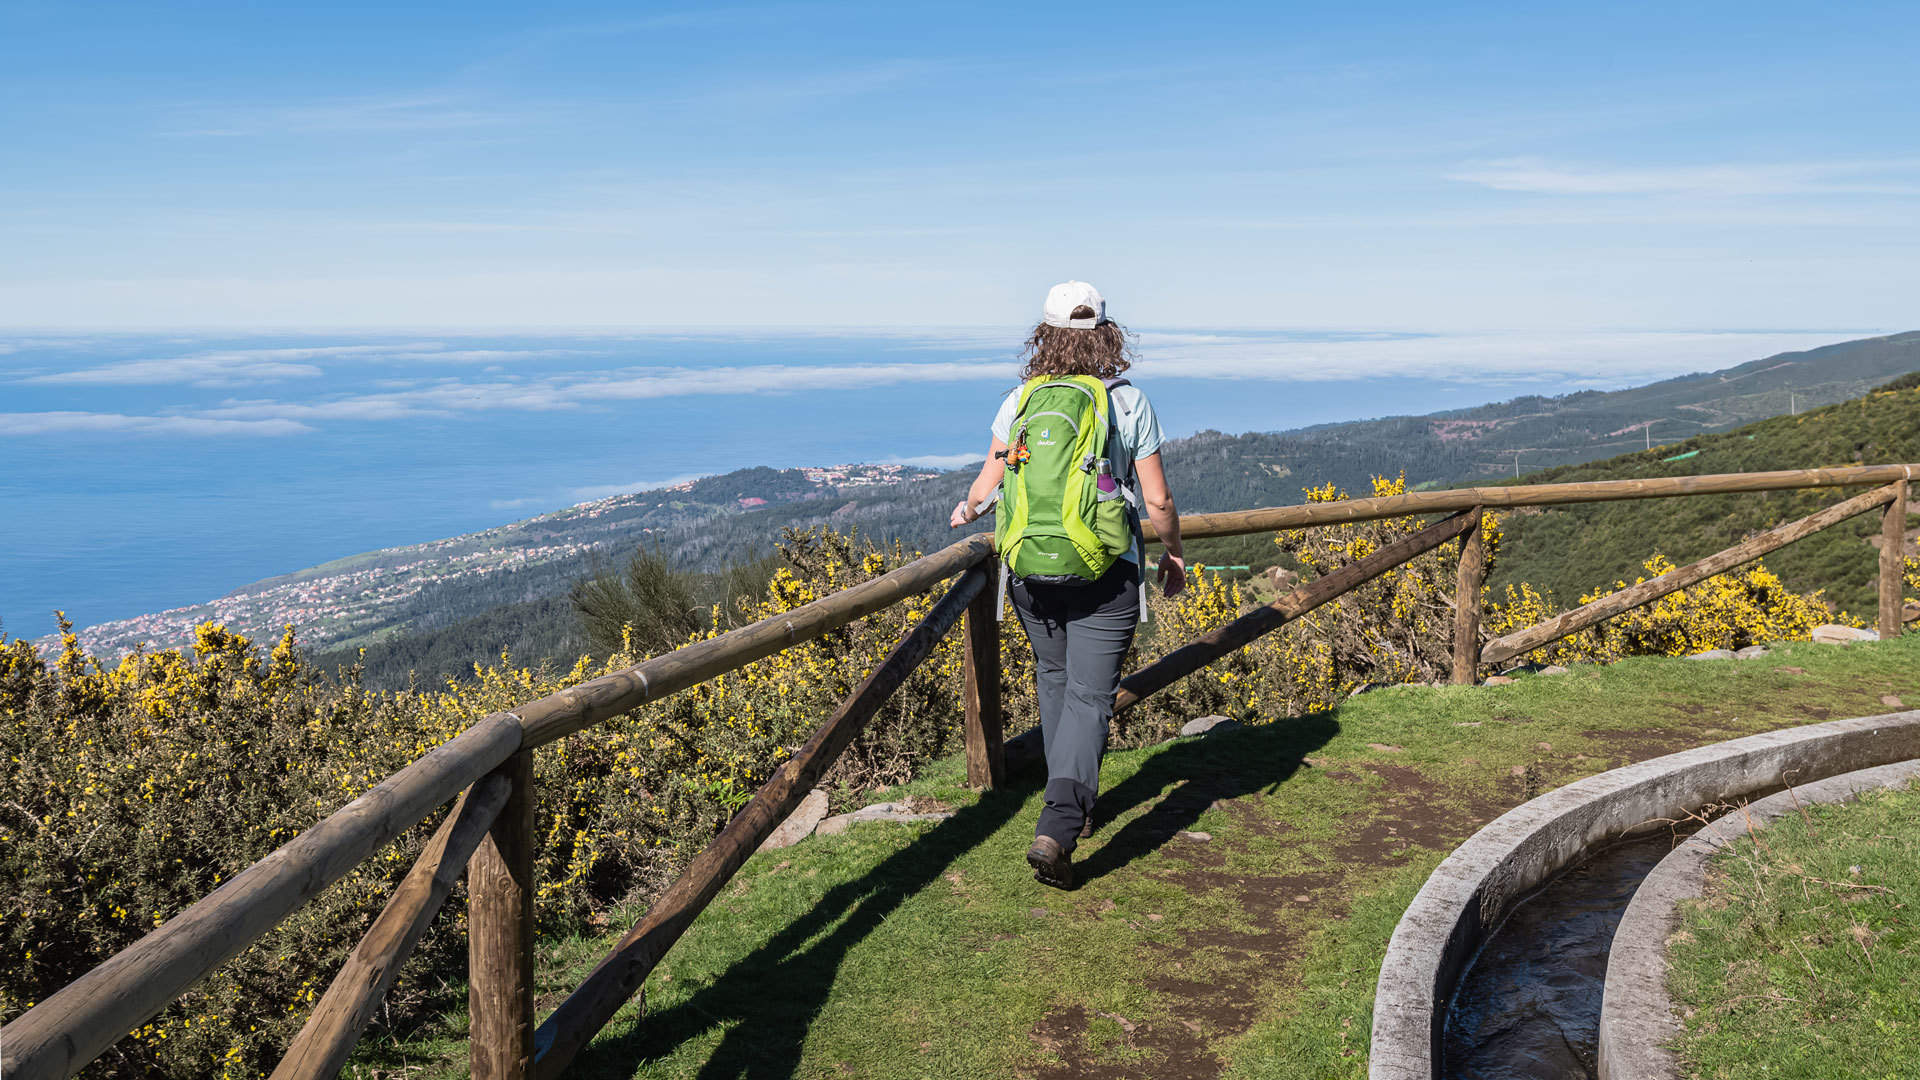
(1172, 573)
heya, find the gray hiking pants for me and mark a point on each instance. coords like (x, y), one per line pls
(1080, 636)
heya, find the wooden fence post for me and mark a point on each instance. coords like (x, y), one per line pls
(500, 935)
(1893, 563)
(1466, 603)
(986, 759)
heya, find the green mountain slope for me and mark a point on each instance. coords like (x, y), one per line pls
(1478, 445)
(1573, 549)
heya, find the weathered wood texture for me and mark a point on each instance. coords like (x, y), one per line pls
(620, 975)
(559, 715)
(1211, 646)
(1893, 564)
(986, 766)
(500, 890)
(1466, 603)
(1455, 499)
(1569, 622)
(353, 997)
(60, 1035)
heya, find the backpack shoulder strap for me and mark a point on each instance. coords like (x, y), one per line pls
(1026, 391)
(1115, 384)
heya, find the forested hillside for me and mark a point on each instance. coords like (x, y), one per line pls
(532, 632)
(1574, 549)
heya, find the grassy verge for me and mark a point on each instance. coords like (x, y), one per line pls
(928, 951)
(1803, 958)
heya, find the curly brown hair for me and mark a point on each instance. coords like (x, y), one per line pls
(1102, 352)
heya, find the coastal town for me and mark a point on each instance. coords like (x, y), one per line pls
(359, 596)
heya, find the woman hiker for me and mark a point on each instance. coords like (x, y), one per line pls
(1074, 460)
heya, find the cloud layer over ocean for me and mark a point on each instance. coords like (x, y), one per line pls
(187, 388)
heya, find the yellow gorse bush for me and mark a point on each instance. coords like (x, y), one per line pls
(137, 787)
(1745, 606)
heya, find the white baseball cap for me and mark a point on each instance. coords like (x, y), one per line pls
(1064, 297)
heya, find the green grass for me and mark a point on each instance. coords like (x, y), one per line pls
(928, 951)
(1803, 959)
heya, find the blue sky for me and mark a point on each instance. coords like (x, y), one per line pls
(281, 283)
(1472, 166)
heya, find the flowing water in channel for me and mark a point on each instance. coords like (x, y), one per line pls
(1529, 1006)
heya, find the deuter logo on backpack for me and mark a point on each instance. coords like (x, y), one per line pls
(1063, 517)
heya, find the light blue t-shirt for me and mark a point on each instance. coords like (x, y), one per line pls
(1134, 427)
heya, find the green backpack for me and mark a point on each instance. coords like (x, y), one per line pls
(1063, 517)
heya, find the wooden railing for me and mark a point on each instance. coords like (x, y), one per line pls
(487, 770)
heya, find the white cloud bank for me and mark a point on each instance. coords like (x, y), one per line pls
(230, 367)
(1606, 359)
(1596, 359)
(1721, 180)
(66, 423)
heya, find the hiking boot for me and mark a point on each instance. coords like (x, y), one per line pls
(1052, 864)
(1086, 827)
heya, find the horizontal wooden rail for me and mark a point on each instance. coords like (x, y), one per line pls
(1348, 511)
(60, 1035)
(1571, 622)
(1211, 646)
(333, 1028)
(559, 715)
(615, 980)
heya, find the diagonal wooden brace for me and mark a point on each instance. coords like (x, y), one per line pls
(1209, 647)
(1646, 592)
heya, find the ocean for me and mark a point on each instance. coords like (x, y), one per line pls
(144, 472)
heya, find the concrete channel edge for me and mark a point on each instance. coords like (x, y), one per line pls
(1636, 1013)
(1476, 886)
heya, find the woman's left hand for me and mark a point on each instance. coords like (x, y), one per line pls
(1172, 574)
(962, 515)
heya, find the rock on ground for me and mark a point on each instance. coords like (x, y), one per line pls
(1751, 652)
(799, 824)
(1498, 680)
(1835, 634)
(1713, 654)
(1553, 669)
(838, 823)
(1208, 723)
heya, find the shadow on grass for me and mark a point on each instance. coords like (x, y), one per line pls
(769, 999)
(1226, 765)
(771, 996)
